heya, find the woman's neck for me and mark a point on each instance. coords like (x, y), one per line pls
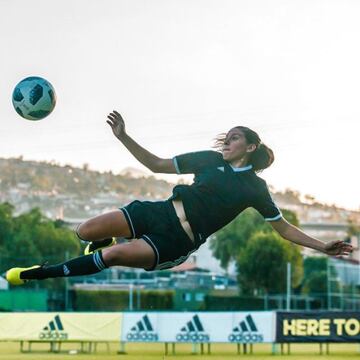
(239, 163)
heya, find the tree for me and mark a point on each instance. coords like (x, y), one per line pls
(262, 264)
(316, 282)
(31, 238)
(292, 196)
(6, 225)
(229, 241)
(314, 264)
(291, 217)
(315, 275)
(6, 231)
(38, 238)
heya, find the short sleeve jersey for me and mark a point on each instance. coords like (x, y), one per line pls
(219, 192)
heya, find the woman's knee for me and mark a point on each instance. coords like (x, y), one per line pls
(102, 226)
(83, 231)
(136, 253)
(113, 255)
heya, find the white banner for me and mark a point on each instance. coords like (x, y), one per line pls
(253, 327)
(140, 327)
(60, 326)
(199, 327)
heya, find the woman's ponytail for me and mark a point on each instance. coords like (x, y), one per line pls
(262, 157)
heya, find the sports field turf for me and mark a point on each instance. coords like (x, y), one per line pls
(141, 351)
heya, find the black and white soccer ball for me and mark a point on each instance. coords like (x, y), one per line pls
(34, 98)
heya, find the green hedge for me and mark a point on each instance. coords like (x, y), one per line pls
(246, 303)
(118, 300)
(157, 300)
(228, 303)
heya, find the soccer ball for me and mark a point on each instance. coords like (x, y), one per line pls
(34, 98)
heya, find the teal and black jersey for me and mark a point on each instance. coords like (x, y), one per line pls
(219, 192)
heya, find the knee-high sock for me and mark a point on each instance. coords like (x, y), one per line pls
(83, 265)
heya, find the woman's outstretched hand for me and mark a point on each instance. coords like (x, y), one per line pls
(117, 124)
(337, 247)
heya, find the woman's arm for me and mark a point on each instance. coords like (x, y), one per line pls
(295, 235)
(145, 157)
(148, 159)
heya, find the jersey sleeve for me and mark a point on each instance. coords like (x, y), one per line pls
(195, 162)
(266, 206)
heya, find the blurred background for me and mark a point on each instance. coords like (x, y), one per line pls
(181, 72)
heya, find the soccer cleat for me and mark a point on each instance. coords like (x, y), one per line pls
(94, 246)
(13, 276)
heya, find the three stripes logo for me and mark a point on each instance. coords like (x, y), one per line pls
(246, 332)
(142, 331)
(193, 331)
(66, 270)
(54, 330)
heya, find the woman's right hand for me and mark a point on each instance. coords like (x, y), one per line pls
(117, 124)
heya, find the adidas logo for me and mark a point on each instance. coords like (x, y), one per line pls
(142, 331)
(193, 331)
(66, 270)
(246, 332)
(54, 330)
(221, 168)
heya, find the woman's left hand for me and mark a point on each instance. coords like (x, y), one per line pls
(337, 247)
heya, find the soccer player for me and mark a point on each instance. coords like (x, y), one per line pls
(164, 233)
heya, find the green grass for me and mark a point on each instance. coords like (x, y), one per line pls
(141, 351)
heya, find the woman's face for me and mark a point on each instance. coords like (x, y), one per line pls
(235, 145)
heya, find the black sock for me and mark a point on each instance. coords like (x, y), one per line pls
(83, 265)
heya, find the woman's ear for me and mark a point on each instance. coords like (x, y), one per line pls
(251, 148)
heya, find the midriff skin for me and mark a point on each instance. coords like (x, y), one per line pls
(180, 212)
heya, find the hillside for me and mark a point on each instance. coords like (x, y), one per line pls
(71, 192)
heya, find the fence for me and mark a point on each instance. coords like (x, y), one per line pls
(197, 328)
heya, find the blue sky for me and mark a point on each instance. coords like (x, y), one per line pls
(182, 71)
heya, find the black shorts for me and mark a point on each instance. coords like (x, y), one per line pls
(157, 223)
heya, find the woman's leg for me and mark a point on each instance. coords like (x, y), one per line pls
(111, 224)
(137, 253)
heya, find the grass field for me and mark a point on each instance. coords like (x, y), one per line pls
(11, 351)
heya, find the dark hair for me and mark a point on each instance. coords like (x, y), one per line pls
(261, 158)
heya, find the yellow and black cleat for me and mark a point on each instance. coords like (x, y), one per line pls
(13, 276)
(99, 245)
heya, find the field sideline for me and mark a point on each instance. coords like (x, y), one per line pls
(10, 351)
